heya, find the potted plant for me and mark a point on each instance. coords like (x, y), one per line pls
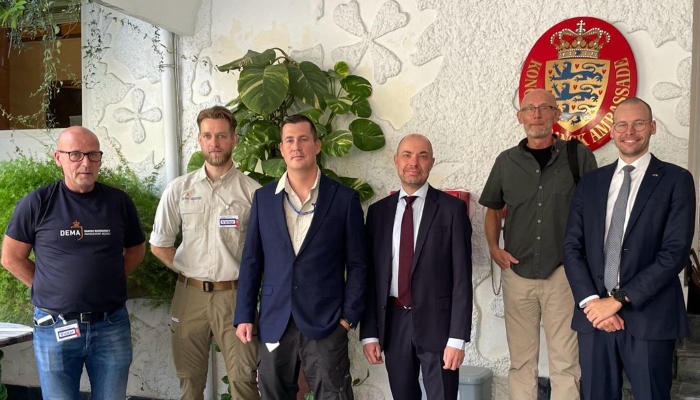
(272, 86)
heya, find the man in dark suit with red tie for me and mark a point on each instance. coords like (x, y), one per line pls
(628, 236)
(419, 295)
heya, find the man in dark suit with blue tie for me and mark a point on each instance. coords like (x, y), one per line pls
(628, 236)
(305, 254)
(419, 299)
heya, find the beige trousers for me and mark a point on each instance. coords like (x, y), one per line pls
(197, 317)
(526, 302)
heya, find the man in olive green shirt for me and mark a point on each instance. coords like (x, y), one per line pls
(534, 180)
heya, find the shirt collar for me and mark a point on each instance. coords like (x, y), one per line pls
(422, 192)
(201, 174)
(283, 183)
(639, 164)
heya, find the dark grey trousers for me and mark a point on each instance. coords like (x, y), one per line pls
(325, 364)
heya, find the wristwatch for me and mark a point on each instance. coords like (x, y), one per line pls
(621, 296)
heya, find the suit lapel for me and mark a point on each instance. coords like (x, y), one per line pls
(326, 191)
(652, 177)
(601, 199)
(387, 228)
(429, 209)
(280, 219)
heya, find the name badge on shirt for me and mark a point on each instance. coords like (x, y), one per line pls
(229, 221)
(68, 331)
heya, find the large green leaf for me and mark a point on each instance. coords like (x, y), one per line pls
(265, 132)
(357, 85)
(308, 83)
(341, 68)
(251, 148)
(242, 115)
(196, 161)
(263, 89)
(261, 178)
(233, 103)
(313, 114)
(321, 131)
(360, 106)
(337, 144)
(338, 106)
(274, 167)
(363, 188)
(367, 135)
(331, 174)
(250, 58)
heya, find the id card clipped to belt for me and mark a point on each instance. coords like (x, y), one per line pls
(69, 330)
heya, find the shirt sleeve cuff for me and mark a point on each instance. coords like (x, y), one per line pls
(159, 240)
(455, 343)
(370, 340)
(583, 302)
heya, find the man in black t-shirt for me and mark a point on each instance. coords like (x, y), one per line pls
(86, 238)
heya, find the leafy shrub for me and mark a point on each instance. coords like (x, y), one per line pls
(20, 176)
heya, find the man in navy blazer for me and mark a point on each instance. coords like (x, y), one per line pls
(427, 328)
(305, 254)
(635, 324)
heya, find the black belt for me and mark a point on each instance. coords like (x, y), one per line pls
(82, 317)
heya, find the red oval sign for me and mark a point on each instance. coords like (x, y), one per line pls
(589, 67)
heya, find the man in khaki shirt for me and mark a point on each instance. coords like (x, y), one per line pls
(212, 205)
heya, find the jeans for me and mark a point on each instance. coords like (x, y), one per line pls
(104, 348)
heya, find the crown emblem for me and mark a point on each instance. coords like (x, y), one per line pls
(580, 44)
(76, 224)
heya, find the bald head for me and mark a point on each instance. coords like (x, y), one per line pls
(78, 133)
(539, 95)
(77, 147)
(418, 137)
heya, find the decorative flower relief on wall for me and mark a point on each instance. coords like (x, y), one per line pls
(668, 90)
(107, 89)
(389, 18)
(319, 9)
(137, 115)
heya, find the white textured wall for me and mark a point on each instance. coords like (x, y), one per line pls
(446, 68)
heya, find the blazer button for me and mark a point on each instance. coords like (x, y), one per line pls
(600, 276)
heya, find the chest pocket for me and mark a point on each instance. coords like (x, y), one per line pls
(234, 237)
(563, 181)
(192, 216)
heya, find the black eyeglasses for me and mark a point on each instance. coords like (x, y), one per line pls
(75, 156)
(530, 110)
(637, 126)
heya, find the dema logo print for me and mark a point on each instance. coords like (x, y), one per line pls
(589, 67)
(76, 230)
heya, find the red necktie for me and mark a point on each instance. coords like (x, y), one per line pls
(406, 253)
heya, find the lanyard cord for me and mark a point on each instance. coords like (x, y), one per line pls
(299, 212)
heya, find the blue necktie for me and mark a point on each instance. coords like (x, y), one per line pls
(613, 244)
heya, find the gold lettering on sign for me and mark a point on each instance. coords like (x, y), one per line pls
(533, 72)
